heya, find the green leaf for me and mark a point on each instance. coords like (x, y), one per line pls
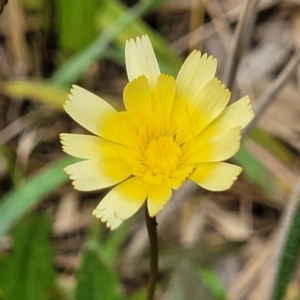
(28, 272)
(258, 174)
(212, 281)
(76, 23)
(289, 249)
(22, 199)
(94, 279)
(273, 145)
(15, 174)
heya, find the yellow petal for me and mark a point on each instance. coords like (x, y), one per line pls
(163, 98)
(86, 108)
(239, 113)
(216, 176)
(114, 223)
(177, 178)
(87, 146)
(210, 102)
(122, 202)
(137, 96)
(94, 174)
(218, 147)
(195, 73)
(182, 127)
(164, 94)
(157, 118)
(151, 108)
(203, 107)
(112, 125)
(159, 195)
(140, 60)
(152, 177)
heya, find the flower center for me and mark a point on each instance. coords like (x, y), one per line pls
(162, 155)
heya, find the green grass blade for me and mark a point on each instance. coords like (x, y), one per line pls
(270, 143)
(213, 282)
(110, 244)
(15, 204)
(36, 91)
(117, 27)
(28, 272)
(75, 23)
(289, 249)
(94, 279)
(72, 69)
(258, 174)
(169, 62)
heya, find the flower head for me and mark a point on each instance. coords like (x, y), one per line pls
(172, 130)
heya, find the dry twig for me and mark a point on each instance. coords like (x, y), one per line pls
(266, 99)
(241, 37)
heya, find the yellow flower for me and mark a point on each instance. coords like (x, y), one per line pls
(172, 130)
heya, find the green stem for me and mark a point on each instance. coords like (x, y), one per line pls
(153, 259)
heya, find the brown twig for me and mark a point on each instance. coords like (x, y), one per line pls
(269, 96)
(241, 37)
(2, 4)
